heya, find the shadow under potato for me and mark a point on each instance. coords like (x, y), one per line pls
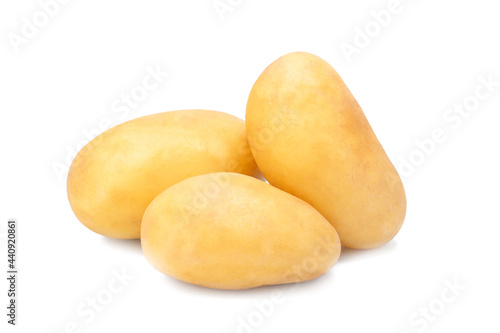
(263, 291)
(348, 254)
(131, 245)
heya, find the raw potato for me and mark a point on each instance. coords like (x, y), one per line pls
(230, 231)
(310, 138)
(116, 176)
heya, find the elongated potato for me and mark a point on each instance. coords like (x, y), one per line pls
(116, 176)
(230, 231)
(310, 138)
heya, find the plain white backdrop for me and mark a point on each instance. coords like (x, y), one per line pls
(65, 75)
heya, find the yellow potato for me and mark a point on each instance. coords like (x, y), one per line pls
(310, 138)
(230, 231)
(116, 176)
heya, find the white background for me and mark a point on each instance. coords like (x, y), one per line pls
(63, 81)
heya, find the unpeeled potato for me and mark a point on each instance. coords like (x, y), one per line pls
(116, 176)
(231, 231)
(310, 138)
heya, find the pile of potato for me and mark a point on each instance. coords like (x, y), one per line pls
(187, 183)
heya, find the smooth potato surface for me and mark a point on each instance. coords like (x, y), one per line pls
(231, 231)
(116, 176)
(310, 138)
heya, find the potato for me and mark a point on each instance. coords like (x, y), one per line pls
(231, 231)
(310, 138)
(116, 176)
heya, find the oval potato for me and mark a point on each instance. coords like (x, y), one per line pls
(310, 138)
(231, 231)
(115, 177)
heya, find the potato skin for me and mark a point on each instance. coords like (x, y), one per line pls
(310, 138)
(231, 231)
(116, 176)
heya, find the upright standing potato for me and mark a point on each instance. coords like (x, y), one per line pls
(116, 176)
(310, 138)
(230, 231)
